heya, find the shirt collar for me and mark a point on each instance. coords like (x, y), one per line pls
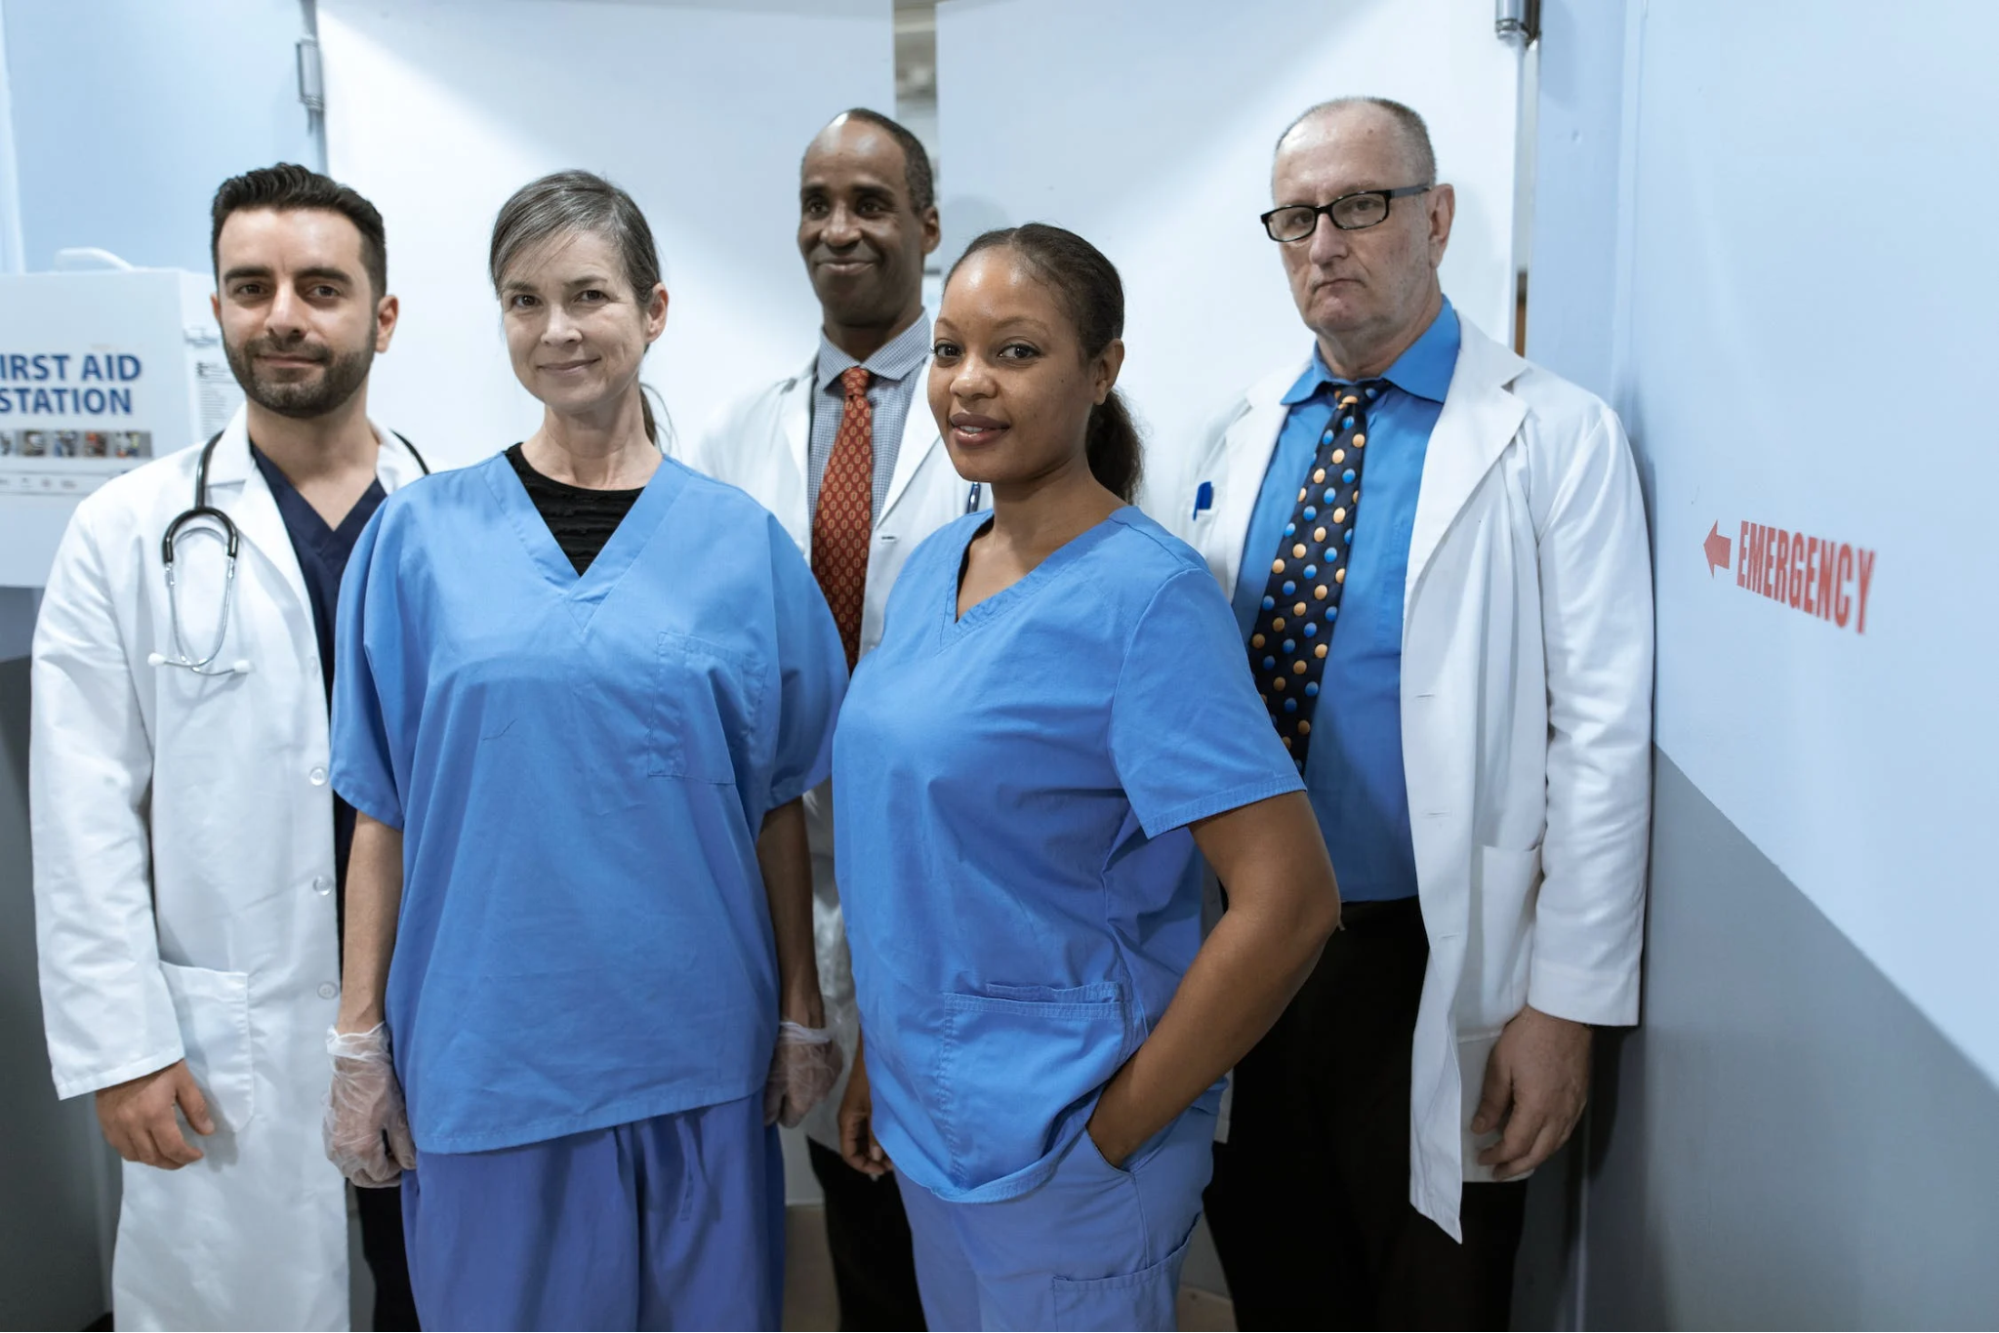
(893, 360)
(1424, 368)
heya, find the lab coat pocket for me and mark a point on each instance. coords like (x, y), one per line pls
(1147, 1298)
(213, 1010)
(705, 708)
(1012, 1062)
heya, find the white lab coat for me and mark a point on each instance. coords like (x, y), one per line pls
(1526, 712)
(183, 854)
(759, 443)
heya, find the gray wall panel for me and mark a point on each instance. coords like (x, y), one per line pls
(55, 1174)
(1786, 1142)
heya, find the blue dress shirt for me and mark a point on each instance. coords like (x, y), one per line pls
(1353, 772)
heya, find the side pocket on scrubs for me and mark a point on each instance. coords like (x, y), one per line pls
(705, 705)
(1146, 1299)
(213, 1010)
(1011, 1061)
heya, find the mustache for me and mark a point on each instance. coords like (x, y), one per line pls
(305, 351)
(860, 250)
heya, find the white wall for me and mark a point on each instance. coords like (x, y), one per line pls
(1147, 126)
(128, 113)
(1806, 287)
(440, 109)
(1804, 1132)
(12, 256)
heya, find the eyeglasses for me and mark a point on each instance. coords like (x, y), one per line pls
(1349, 212)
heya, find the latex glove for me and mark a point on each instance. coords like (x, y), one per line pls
(367, 1132)
(803, 1070)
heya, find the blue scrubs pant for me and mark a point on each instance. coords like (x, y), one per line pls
(673, 1222)
(1096, 1247)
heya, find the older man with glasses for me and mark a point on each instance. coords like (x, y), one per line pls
(1461, 667)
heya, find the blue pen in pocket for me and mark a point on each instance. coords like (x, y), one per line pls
(1204, 497)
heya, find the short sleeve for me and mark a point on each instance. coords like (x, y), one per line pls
(1188, 735)
(812, 675)
(363, 764)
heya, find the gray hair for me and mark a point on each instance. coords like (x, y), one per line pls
(566, 203)
(1415, 134)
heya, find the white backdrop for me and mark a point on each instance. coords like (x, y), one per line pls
(1147, 126)
(437, 110)
(1815, 354)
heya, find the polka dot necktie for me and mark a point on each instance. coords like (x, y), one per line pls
(1301, 602)
(844, 520)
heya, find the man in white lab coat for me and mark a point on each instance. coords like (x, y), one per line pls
(1461, 664)
(188, 851)
(847, 455)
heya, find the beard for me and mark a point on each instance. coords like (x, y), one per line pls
(304, 399)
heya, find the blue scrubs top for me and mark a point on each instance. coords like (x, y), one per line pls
(1011, 795)
(580, 766)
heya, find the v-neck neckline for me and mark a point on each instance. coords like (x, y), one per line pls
(326, 538)
(583, 592)
(1061, 558)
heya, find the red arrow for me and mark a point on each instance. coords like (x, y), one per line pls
(1716, 547)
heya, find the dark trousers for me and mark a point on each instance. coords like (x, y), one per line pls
(382, 1245)
(1310, 1200)
(874, 1270)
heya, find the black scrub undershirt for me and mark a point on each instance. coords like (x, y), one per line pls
(580, 519)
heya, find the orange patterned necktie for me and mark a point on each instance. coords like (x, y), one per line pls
(845, 518)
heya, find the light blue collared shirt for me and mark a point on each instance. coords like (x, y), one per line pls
(1353, 771)
(894, 366)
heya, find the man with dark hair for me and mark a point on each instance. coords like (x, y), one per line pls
(916, 176)
(290, 188)
(847, 456)
(189, 855)
(1461, 666)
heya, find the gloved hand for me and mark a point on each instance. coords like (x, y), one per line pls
(803, 1070)
(367, 1133)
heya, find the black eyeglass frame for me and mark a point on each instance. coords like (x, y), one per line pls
(1387, 198)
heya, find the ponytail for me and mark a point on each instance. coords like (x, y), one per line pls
(1117, 456)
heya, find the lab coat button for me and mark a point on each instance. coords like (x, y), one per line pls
(322, 885)
(318, 776)
(327, 990)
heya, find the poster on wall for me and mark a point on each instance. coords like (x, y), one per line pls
(99, 373)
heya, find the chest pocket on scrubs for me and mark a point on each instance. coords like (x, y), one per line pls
(1011, 1061)
(705, 705)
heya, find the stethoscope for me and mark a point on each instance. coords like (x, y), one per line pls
(202, 511)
